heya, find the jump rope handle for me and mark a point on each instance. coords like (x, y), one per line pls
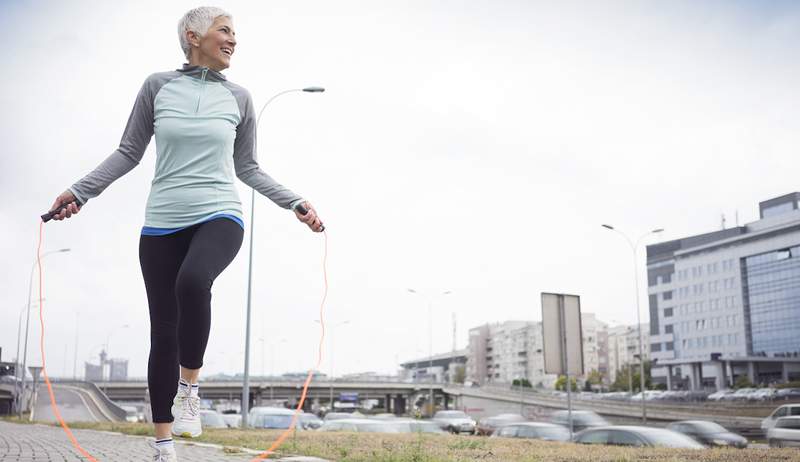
(49, 215)
(302, 211)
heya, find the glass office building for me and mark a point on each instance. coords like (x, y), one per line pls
(771, 292)
(727, 303)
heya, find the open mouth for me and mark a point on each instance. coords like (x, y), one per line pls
(227, 51)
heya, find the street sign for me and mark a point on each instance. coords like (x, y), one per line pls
(561, 334)
(562, 343)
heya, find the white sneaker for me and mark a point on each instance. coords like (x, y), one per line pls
(186, 411)
(165, 454)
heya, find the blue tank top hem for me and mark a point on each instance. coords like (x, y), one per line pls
(150, 231)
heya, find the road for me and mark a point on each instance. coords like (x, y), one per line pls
(44, 443)
(74, 404)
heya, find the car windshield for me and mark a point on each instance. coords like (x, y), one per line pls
(669, 439)
(708, 427)
(450, 415)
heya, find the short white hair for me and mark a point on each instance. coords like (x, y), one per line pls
(198, 20)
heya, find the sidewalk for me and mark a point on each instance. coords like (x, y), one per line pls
(43, 443)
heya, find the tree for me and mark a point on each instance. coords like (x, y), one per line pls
(460, 374)
(525, 383)
(561, 383)
(743, 382)
(621, 382)
(594, 377)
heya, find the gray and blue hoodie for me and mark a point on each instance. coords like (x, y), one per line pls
(205, 128)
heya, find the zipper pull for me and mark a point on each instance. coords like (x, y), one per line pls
(205, 71)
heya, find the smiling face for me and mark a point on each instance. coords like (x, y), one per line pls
(215, 48)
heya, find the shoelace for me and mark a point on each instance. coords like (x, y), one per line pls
(192, 405)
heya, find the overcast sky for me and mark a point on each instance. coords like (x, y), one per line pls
(470, 146)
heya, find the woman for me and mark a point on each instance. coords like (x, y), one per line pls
(204, 127)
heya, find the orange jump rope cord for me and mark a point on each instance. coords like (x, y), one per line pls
(53, 404)
(286, 433)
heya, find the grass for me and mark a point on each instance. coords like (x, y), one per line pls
(365, 447)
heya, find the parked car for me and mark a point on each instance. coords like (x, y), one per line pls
(788, 393)
(211, 419)
(718, 395)
(762, 394)
(708, 433)
(535, 430)
(785, 432)
(309, 421)
(741, 394)
(232, 420)
(340, 415)
(581, 420)
(624, 435)
(383, 416)
(488, 425)
(455, 422)
(273, 417)
(786, 410)
(381, 426)
(649, 395)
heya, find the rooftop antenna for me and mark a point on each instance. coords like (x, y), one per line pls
(723, 221)
(454, 331)
(737, 218)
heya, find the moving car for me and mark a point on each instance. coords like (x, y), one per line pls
(488, 425)
(455, 422)
(788, 393)
(636, 436)
(535, 430)
(785, 432)
(581, 420)
(708, 433)
(786, 410)
(309, 421)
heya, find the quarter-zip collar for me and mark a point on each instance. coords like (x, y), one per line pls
(198, 71)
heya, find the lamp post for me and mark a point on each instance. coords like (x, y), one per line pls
(272, 368)
(638, 309)
(27, 325)
(246, 385)
(330, 348)
(430, 344)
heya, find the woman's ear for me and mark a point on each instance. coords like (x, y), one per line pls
(192, 38)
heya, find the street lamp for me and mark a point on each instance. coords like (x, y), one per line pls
(430, 343)
(246, 386)
(27, 325)
(638, 309)
(330, 341)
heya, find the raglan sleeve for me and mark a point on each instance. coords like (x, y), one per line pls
(246, 162)
(135, 138)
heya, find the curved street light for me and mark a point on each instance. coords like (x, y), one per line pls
(634, 246)
(246, 386)
(27, 328)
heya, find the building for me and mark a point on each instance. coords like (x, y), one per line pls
(501, 353)
(623, 347)
(726, 304)
(441, 368)
(595, 345)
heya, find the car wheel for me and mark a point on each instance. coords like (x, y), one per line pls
(774, 444)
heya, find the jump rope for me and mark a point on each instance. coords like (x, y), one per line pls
(54, 406)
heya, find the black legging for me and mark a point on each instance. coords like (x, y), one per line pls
(178, 270)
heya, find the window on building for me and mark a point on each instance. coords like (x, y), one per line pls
(668, 329)
(669, 346)
(667, 312)
(666, 295)
(655, 347)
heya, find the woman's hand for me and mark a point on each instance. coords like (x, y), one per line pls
(65, 198)
(311, 219)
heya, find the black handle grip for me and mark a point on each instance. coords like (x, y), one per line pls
(49, 215)
(302, 211)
